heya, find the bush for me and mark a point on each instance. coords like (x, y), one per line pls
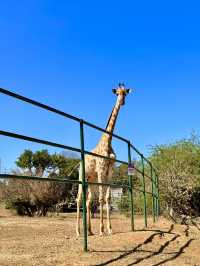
(37, 197)
(195, 201)
(178, 167)
(34, 197)
(124, 204)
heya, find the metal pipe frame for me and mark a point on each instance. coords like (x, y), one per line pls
(83, 152)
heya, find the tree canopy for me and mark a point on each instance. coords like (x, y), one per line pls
(42, 163)
(178, 166)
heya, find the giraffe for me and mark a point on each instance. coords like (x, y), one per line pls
(100, 169)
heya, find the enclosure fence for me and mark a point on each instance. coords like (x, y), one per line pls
(153, 177)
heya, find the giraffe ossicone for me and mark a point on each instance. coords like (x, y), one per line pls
(100, 169)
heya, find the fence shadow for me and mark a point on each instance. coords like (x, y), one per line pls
(160, 232)
(175, 256)
(151, 254)
(195, 224)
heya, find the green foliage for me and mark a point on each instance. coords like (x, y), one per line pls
(25, 160)
(121, 175)
(124, 204)
(63, 167)
(41, 162)
(178, 166)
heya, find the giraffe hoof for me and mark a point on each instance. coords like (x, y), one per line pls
(110, 232)
(102, 234)
(90, 233)
(77, 235)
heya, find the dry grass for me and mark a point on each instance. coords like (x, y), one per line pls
(51, 241)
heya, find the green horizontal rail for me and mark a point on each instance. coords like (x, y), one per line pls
(37, 178)
(56, 111)
(38, 104)
(57, 145)
(105, 131)
(40, 141)
(64, 180)
(66, 115)
(53, 144)
(84, 182)
(104, 157)
(36, 140)
(60, 180)
(140, 172)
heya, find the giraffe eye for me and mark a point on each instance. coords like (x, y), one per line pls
(114, 91)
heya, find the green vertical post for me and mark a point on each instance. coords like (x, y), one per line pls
(144, 191)
(158, 196)
(156, 199)
(153, 195)
(84, 187)
(131, 188)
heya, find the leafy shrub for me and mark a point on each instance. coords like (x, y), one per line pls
(124, 204)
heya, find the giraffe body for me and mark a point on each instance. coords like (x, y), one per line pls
(100, 170)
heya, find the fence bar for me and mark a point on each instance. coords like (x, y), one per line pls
(144, 191)
(153, 196)
(66, 115)
(40, 141)
(131, 188)
(56, 111)
(154, 176)
(105, 157)
(37, 178)
(38, 104)
(158, 196)
(136, 150)
(84, 188)
(140, 172)
(105, 131)
(62, 179)
(53, 144)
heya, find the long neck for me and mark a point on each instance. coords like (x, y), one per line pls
(111, 123)
(113, 117)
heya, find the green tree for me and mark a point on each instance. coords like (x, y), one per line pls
(178, 166)
(42, 163)
(35, 163)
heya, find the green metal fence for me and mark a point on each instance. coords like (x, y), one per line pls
(153, 177)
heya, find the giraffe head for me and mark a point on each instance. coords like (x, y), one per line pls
(121, 93)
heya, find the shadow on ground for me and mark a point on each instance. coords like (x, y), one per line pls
(141, 248)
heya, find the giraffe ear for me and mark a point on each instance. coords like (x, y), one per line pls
(114, 91)
(128, 91)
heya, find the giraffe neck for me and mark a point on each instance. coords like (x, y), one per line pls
(113, 117)
(111, 123)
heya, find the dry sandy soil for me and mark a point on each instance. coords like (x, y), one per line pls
(51, 241)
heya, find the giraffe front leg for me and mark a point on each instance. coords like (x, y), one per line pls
(78, 200)
(89, 200)
(101, 202)
(108, 202)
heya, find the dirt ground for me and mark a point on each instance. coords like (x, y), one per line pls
(51, 241)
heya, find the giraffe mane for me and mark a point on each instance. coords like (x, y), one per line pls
(110, 117)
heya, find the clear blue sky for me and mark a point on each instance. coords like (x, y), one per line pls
(70, 54)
